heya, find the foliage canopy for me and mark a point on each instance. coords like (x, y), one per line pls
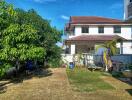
(26, 36)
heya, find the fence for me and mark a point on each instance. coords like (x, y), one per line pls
(97, 59)
(125, 59)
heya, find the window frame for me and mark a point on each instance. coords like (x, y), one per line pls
(100, 31)
(117, 29)
(85, 29)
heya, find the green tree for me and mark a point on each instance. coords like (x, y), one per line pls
(26, 36)
(48, 36)
(7, 16)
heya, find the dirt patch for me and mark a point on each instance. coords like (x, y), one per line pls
(54, 87)
(57, 87)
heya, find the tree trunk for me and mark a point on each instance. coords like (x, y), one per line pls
(17, 67)
(109, 64)
(45, 64)
(17, 64)
(106, 68)
(35, 63)
(105, 59)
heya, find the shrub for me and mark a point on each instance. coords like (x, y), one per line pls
(4, 68)
(130, 67)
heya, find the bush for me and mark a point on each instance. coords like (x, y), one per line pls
(130, 67)
(4, 68)
(117, 74)
(55, 63)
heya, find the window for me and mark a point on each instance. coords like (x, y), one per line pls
(101, 29)
(85, 29)
(117, 29)
(67, 50)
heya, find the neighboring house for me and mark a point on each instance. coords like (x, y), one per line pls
(127, 9)
(85, 32)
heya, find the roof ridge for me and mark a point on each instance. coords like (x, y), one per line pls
(96, 17)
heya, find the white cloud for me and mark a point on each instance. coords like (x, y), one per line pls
(116, 6)
(43, 1)
(64, 17)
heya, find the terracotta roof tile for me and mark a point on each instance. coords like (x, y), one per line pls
(95, 38)
(93, 20)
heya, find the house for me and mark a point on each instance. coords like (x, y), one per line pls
(127, 9)
(85, 32)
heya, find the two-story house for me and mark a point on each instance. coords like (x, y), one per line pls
(85, 32)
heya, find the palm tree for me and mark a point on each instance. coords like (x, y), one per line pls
(110, 49)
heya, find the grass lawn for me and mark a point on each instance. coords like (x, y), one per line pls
(83, 80)
(53, 84)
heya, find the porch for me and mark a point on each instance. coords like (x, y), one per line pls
(87, 43)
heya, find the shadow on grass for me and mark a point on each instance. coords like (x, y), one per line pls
(119, 76)
(3, 87)
(125, 80)
(20, 77)
(129, 91)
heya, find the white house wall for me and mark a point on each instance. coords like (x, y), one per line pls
(127, 48)
(73, 49)
(126, 32)
(93, 30)
(78, 31)
(108, 30)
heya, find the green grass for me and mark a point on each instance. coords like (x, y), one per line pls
(83, 80)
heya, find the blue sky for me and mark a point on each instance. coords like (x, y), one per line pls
(59, 11)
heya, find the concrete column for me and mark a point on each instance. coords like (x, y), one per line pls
(121, 47)
(73, 49)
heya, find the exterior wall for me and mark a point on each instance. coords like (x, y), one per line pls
(77, 31)
(92, 30)
(126, 32)
(108, 30)
(127, 48)
(72, 49)
(127, 9)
